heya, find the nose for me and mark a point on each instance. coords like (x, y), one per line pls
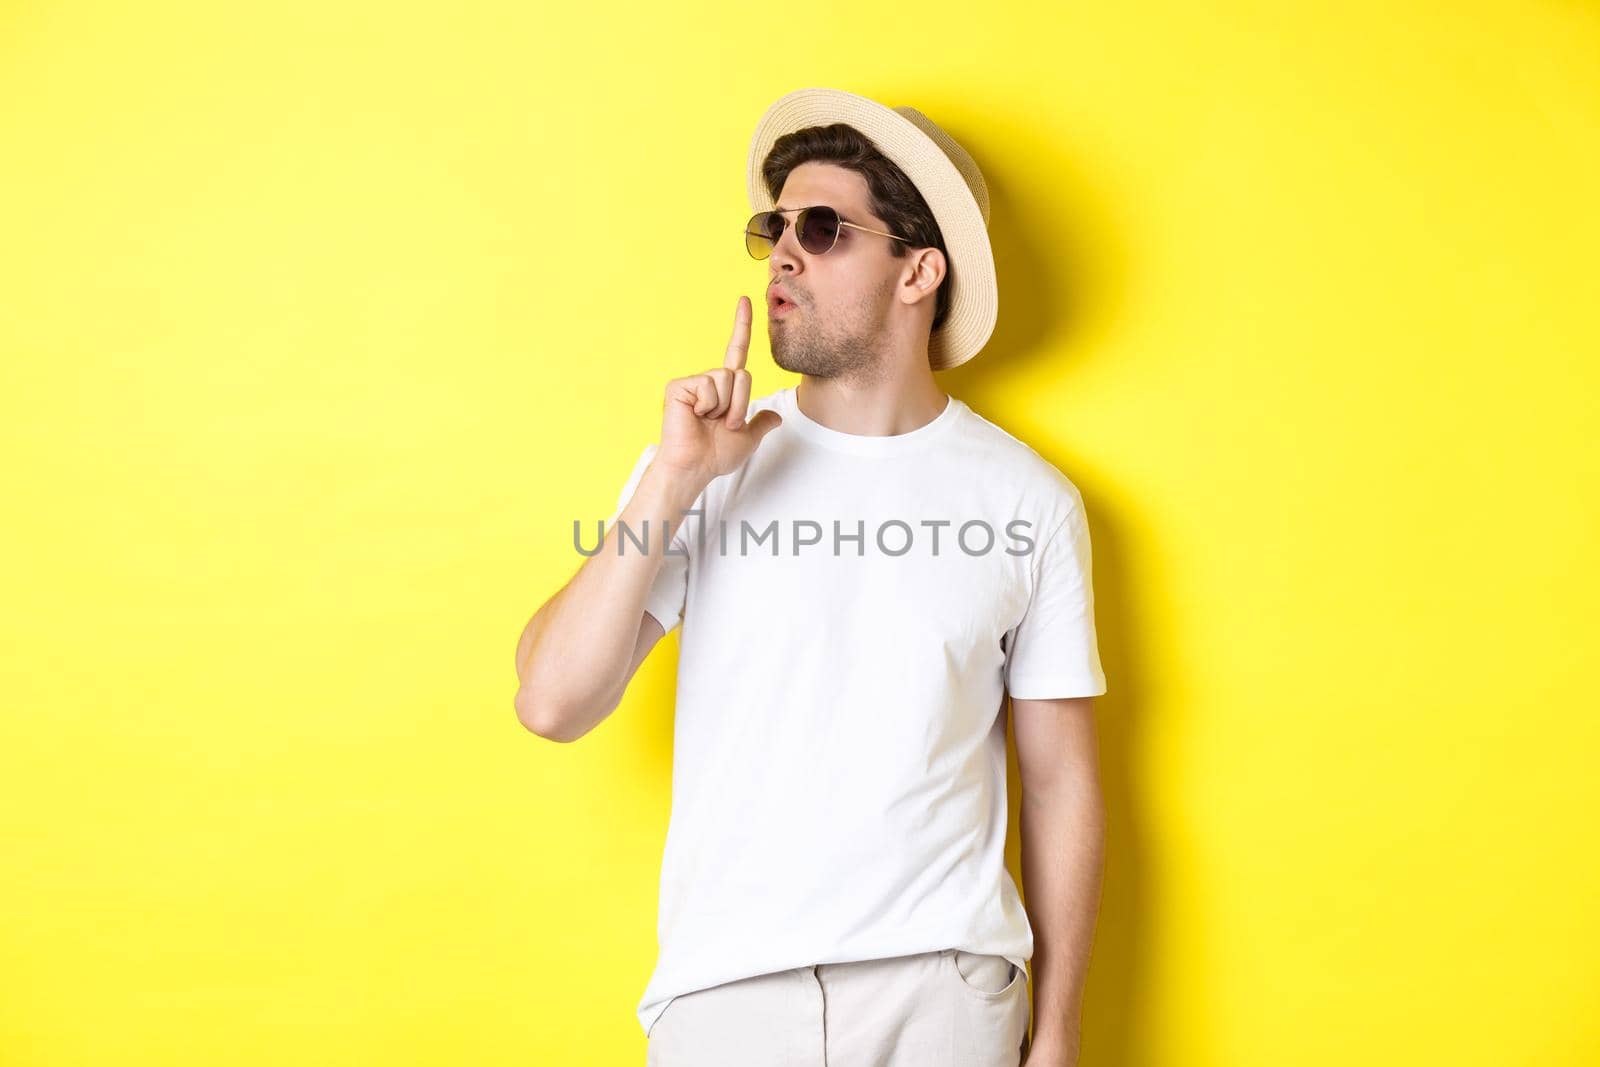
(786, 254)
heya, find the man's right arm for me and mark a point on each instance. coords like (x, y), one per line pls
(580, 650)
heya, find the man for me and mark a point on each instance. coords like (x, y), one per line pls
(863, 569)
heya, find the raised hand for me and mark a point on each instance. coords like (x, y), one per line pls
(703, 429)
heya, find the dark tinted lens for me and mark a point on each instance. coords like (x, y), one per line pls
(818, 229)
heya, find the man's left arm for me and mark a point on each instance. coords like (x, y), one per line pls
(1063, 848)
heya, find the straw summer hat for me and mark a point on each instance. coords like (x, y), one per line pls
(943, 173)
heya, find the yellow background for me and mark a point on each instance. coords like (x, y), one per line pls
(320, 324)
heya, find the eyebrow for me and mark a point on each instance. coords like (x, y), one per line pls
(842, 216)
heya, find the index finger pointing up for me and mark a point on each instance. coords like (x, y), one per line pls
(740, 345)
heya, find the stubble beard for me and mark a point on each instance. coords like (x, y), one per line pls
(849, 351)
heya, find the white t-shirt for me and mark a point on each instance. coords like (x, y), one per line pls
(839, 761)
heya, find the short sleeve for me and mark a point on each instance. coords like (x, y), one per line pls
(665, 600)
(1053, 652)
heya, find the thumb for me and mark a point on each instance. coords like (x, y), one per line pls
(763, 423)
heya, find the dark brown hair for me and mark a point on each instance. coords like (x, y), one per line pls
(891, 196)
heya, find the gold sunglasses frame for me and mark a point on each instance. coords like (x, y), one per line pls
(784, 211)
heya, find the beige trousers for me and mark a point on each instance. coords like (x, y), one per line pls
(949, 1008)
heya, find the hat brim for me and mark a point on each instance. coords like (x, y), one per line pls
(974, 295)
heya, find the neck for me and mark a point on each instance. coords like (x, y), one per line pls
(894, 404)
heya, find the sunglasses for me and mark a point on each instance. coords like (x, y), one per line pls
(816, 228)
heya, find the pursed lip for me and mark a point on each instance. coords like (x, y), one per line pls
(779, 301)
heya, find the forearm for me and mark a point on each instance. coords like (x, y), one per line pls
(1063, 847)
(576, 653)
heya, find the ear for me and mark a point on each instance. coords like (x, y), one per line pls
(924, 272)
